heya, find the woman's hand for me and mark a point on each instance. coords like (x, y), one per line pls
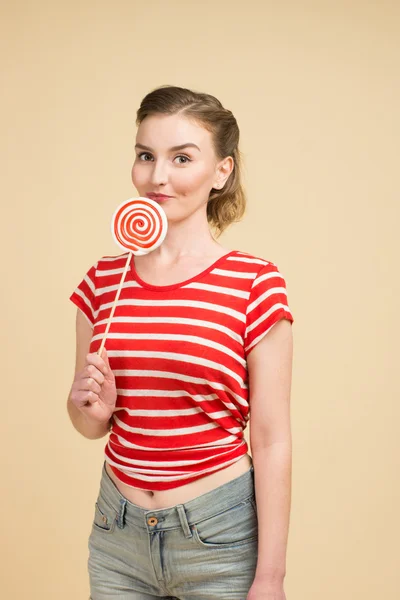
(266, 590)
(93, 391)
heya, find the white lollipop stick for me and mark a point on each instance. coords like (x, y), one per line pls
(115, 304)
(140, 226)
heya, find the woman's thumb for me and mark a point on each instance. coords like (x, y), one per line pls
(104, 356)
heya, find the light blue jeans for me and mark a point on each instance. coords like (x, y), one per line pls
(205, 549)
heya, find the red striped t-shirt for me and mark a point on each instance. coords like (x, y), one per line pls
(178, 353)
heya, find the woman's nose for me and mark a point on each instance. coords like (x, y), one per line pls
(159, 175)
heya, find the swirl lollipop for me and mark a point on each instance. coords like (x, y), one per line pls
(138, 225)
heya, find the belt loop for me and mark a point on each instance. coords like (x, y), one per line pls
(183, 519)
(121, 514)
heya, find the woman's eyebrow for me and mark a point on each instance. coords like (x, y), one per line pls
(171, 149)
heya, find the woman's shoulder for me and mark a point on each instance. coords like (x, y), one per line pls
(254, 259)
(112, 261)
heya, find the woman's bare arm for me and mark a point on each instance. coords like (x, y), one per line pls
(270, 378)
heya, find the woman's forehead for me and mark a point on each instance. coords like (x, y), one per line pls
(178, 128)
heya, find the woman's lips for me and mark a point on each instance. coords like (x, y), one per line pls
(158, 197)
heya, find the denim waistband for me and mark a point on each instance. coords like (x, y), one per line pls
(218, 500)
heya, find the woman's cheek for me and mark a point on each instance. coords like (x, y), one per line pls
(189, 181)
(137, 175)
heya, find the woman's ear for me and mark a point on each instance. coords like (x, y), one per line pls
(224, 169)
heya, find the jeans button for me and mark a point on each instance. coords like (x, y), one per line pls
(152, 521)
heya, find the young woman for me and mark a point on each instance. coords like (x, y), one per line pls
(183, 510)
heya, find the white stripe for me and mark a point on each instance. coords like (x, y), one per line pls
(265, 316)
(255, 261)
(85, 299)
(270, 292)
(113, 288)
(181, 377)
(170, 337)
(113, 258)
(168, 412)
(108, 272)
(180, 303)
(220, 414)
(136, 393)
(183, 358)
(173, 412)
(238, 274)
(218, 289)
(90, 284)
(176, 321)
(269, 275)
(128, 470)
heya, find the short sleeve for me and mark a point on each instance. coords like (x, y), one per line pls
(267, 304)
(84, 296)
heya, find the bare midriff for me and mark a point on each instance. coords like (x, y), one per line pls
(157, 499)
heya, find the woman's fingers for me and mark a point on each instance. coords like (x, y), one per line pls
(98, 362)
(95, 384)
(90, 384)
(89, 397)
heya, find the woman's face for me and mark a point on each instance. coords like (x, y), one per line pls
(187, 174)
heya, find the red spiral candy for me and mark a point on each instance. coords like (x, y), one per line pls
(139, 225)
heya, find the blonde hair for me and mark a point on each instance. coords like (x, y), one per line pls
(227, 205)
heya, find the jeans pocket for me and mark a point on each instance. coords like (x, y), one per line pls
(231, 528)
(105, 516)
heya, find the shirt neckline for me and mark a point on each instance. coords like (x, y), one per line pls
(163, 288)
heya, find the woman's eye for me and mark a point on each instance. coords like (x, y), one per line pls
(143, 154)
(187, 159)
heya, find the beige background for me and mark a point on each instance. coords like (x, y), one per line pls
(315, 89)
